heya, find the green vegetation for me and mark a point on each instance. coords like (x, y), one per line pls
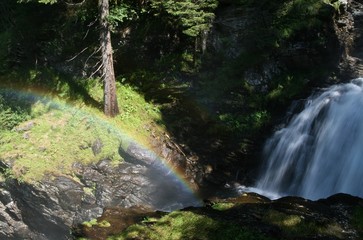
(221, 206)
(245, 217)
(52, 94)
(297, 226)
(11, 113)
(47, 134)
(159, 47)
(194, 17)
(244, 91)
(94, 222)
(188, 225)
(160, 57)
(357, 220)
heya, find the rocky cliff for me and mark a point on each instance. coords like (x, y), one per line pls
(49, 208)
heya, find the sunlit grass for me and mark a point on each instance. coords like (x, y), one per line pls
(188, 225)
(221, 206)
(53, 131)
(137, 117)
(55, 141)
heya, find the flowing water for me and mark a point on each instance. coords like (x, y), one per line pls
(320, 151)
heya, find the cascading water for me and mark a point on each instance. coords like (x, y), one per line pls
(320, 152)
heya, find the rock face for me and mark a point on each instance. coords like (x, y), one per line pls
(245, 45)
(243, 31)
(349, 27)
(49, 208)
(329, 53)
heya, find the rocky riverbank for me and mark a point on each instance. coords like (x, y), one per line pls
(249, 216)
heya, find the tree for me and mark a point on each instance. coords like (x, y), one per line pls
(108, 73)
(195, 16)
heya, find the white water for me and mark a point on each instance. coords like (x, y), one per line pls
(320, 152)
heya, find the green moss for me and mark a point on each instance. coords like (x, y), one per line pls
(221, 206)
(57, 140)
(104, 224)
(90, 223)
(61, 135)
(298, 226)
(188, 225)
(94, 222)
(247, 123)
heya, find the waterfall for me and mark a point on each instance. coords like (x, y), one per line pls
(320, 151)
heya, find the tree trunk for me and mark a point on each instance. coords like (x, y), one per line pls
(108, 74)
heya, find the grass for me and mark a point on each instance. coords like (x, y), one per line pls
(221, 206)
(57, 140)
(49, 133)
(137, 116)
(188, 225)
(241, 220)
(297, 226)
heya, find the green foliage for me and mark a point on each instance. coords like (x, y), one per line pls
(9, 119)
(245, 123)
(120, 13)
(12, 110)
(244, 109)
(285, 87)
(288, 17)
(194, 16)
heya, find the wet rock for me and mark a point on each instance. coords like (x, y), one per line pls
(49, 208)
(114, 220)
(138, 155)
(11, 221)
(286, 218)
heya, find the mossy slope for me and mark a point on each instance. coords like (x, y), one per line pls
(46, 133)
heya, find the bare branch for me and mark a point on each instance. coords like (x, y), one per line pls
(89, 27)
(97, 70)
(94, 52)
(70, 3)
(71, 59)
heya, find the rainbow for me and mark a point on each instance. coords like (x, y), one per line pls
(174, 175)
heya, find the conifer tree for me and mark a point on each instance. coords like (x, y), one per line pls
(108, 74)
(195, 16)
